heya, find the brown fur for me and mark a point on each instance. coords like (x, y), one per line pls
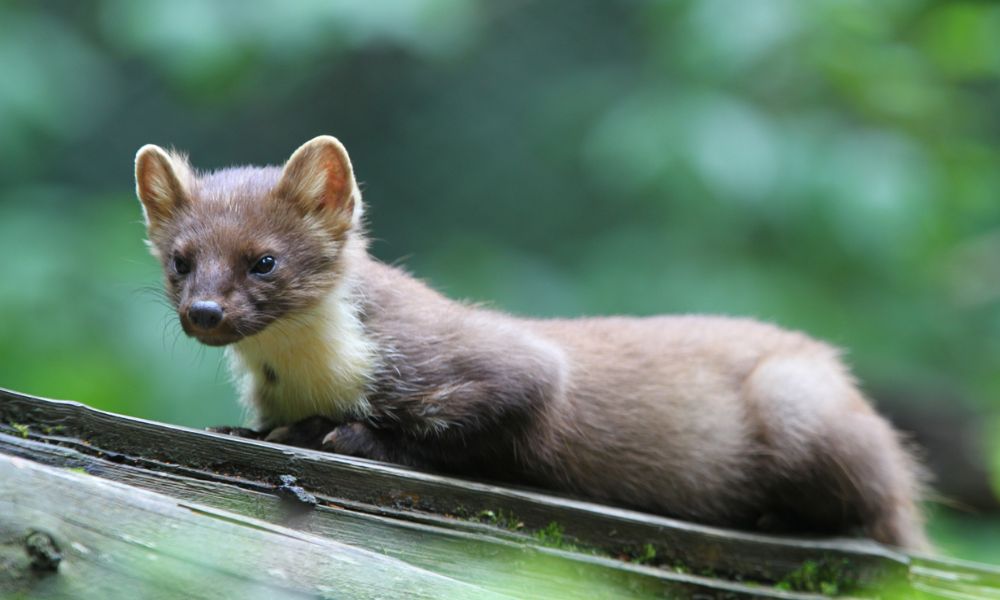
(723, 421)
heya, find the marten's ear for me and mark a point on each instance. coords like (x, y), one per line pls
(319, 179)
(162, 182)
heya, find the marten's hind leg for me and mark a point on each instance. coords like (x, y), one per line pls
(834, 464)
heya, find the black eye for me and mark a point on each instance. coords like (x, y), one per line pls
(182, 266)
(263, 266)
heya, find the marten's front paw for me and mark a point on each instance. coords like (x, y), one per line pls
(307, 433)
(356, 439)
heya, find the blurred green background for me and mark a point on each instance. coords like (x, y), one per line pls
(831, 166)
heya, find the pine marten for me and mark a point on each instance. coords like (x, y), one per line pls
(723, 421)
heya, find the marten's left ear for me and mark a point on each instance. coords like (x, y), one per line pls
(319, 179)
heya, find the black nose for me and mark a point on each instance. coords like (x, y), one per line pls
(205, 314)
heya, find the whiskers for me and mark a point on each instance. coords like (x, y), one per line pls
(169, 326)
(157, 293)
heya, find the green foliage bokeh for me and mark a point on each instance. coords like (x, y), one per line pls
(830, 166)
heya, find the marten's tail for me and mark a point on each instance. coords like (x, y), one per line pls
(838, 466)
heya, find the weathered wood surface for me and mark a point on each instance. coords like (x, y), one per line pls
(500, 566)
(118, 542)
(424, 520)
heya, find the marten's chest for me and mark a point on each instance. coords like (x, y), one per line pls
(288, 388)
(318, 364)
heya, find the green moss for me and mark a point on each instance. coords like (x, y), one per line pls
(553, 536)
(500, 518)
(22, 430)
(824, 577)
(645, 556)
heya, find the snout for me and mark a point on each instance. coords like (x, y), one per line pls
(205, 315)
(207, 321)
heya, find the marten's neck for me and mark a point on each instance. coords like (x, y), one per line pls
(317, 361)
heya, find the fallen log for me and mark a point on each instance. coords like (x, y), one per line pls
(468, 538)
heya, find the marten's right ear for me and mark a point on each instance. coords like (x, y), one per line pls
(161, 182)
(319, 179)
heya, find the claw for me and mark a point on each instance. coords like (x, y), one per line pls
(329, 441)
(279, 435)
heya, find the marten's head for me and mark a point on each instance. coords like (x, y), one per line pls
(245, 246)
